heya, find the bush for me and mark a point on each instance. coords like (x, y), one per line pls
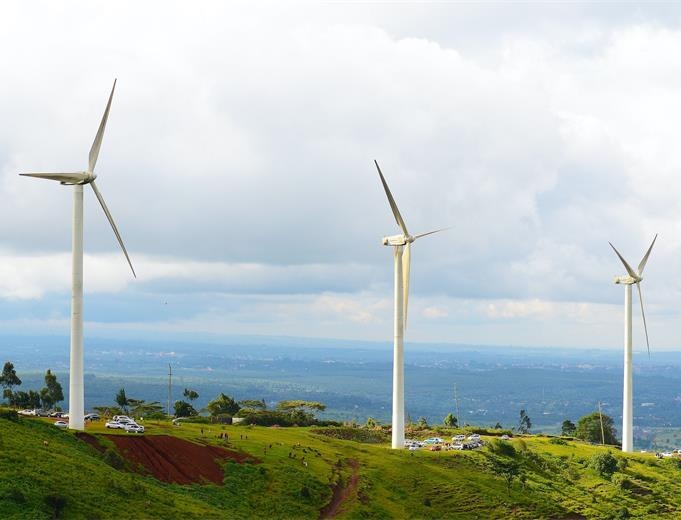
(56, 503)
(113, 459)
(10, 415)
(558, 440)
(621, 481)
(622, 463)
(605, 464)
(501, 448)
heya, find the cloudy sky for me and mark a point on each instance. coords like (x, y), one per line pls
(238, 165)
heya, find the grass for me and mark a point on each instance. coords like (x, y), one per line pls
(554, 479)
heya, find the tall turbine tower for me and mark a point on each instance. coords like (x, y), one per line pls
(77, 180)
(402, 251)
(630, 279)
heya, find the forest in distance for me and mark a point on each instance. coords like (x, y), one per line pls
(353, 379)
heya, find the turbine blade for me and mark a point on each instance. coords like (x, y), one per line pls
(406, 266)
(68, 177)
(113, 225)
(642, 265)
(94, 151)
(645, 327)
(391, 200)
(431, 232)
(630, 271)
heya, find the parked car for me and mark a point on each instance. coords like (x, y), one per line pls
(114, 424)
(92, 417)
(505, 437)
(473, 437)
(413, 447)
(119, 417)
(459, 438)
(61, 424)
(434, 440)
(435, 447)
(456, 446)
(134, 428)
(59, 415)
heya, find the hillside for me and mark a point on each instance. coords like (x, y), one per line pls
(313, 473)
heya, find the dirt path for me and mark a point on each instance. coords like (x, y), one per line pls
(341, 493)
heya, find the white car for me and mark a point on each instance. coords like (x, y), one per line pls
(456, 446)
(61, 424)
(114, 424)
(505, 437)
(667, 454)
(122, 417)
(459, 438)
(134, 428)
(474, 437)
(434, 440)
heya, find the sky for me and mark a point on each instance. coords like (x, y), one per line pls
(238, 165)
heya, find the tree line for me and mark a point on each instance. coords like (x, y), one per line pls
(45, 398)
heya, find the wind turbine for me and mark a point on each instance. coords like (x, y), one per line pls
(402, 251)
(77, 180)
(631, 278)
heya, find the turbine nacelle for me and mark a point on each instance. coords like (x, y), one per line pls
(627, 280)
(397, 240)
(66, 179)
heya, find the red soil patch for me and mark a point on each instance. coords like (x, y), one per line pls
(91, 440)
(174, 460)
(341, 493)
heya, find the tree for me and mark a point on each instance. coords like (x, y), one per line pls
(254, 404)
(192, 395)
(300, 405)
(605, 464)
(589, 429)
(52, 392)
(524, 424)
(223, 405)
(8, 380)
(568, 428)
(507, 470)
(451, 421)
(422, 423)
(498, 426)
(21, 399)
(122, 400)
(372, 423)
(184, 409)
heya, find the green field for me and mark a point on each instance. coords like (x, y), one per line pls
(553, 478)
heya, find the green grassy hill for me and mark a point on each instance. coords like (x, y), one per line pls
(313, 473)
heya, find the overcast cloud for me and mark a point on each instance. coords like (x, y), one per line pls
(238, 165)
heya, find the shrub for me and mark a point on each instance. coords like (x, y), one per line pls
(10, 415)
(56, 503)
(113, 459)
(605, 464)
(558, 440)
(622, 463)
(621, 481)
(501, 448)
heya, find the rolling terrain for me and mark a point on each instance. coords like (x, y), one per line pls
(316, 473)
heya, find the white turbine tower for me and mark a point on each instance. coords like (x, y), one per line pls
(77, 180)
(402, 252)
(628, 280)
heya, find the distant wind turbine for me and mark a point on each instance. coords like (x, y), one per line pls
(628, 280)
(402, 251)
(77, 180)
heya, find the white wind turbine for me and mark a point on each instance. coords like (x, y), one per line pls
(402, 252)
(630, 279)
(77, 180)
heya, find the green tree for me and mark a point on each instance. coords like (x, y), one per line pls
(30, 399)
(605, 464)
(451, 420)
(192, 395)
(52, 392)
(9, 380)
(254, 404)
(223, 405)
(184, 409)
(568, 428)
(372, 423)
(498, 426)
(300, 405)
(422, 423)
(524, 424)
(122, 400)
(589, 429)
(508, 470)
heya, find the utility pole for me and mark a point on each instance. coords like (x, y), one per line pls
(601, 416)
(456, 404)
(170, 386)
